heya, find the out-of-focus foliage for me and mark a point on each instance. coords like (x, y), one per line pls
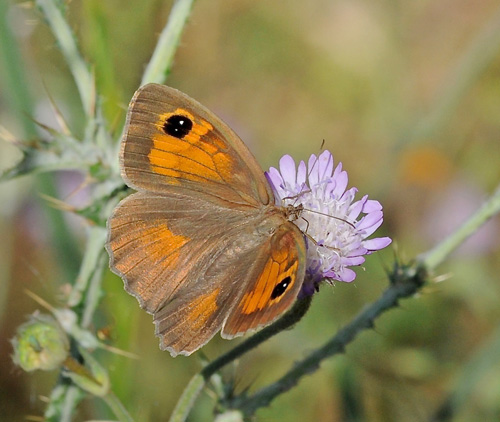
(368, 78)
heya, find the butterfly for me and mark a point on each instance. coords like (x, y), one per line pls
(202, 244)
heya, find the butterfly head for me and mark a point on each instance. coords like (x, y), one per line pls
(293, 212)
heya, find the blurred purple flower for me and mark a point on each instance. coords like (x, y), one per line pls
(336, 228)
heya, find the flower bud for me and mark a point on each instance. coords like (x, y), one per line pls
(40, 344)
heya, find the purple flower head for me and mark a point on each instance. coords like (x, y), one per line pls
(335, 226)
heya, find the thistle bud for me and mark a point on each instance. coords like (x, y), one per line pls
(40, 344)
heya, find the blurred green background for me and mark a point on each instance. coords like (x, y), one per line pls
(406, 94)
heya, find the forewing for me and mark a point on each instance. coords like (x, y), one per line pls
(172, 142)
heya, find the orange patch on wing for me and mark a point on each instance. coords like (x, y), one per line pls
(153, 242)
(195, 157)
(276, 270)
(189, 163)
(224, 165)
(201, 309)
(165, 240)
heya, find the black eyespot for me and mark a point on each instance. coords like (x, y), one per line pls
(281, 287)
(177, 126)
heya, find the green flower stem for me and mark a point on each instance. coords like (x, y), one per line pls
(405, 281)
(73, 397)
(15, 86)
(86, 291)
(187, 399)
(63, 400)
(94, 249)
(67, 43)
(288, 320)
(94, 291)
(70, 395)
(159, 66)
(196, 384)
(440, 252)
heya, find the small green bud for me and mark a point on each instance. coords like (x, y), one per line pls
(40, 344)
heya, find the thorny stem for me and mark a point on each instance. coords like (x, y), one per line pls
(87, 288)
(96, 237)
(159, 66)
(405, 281)
(67, 43)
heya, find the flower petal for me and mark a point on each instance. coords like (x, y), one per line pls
(371, 206)
(273, 176)
(370, 220)
(325, 162)
(287, 169)
(377, 243)
(346, 275)
(340, 184)
(356, 260)
(357, 208)
(301, 174)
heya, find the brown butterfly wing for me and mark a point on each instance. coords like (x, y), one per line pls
(195, 314)
(202, 243)
(172, 142)
(156, 243)
(193, 277)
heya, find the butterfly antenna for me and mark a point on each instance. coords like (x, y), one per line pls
(316, 162)
(330, 216)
